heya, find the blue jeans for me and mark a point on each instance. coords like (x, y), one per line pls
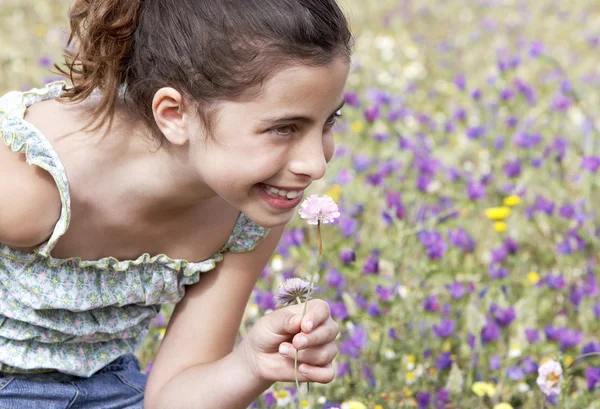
(119, 385)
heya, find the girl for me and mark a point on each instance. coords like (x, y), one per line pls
(165, 174)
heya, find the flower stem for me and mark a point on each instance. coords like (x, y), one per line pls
(310, 284)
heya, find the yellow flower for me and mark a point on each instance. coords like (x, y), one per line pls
(512, 201)
(304, 404)
(334, 192)
(411, 358)
(353, 404)
(283, 397)
(357, 127)
(568, 360)
(500, 227)
(497, 213)
(447, 346)
(483, 388)
(533, 277)
(503, 405)
(378, 407)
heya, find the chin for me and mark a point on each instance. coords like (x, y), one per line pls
(271, 221)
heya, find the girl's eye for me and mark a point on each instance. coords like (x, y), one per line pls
(284, 130)
(331, 121)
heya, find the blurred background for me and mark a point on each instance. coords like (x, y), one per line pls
(466, 256)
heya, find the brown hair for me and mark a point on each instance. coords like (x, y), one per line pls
(209, 50)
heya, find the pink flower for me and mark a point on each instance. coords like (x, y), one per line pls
(550, 376)
(319, 209)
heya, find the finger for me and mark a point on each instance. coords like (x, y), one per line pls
(317, 374)
(316, 356)
(317, 312)
(282, 322)
(323, 334)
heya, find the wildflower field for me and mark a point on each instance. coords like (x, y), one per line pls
(463, 269)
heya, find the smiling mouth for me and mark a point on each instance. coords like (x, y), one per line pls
(280, 193)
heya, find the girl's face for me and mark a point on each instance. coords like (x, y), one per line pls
(282, 139)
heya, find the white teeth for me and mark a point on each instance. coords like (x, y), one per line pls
(282, 193)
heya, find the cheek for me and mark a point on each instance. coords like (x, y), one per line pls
(328, 147)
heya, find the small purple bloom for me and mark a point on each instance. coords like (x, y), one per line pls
(592, 375)
(347, 226)
(532, 335)
(434, 243)
(504, 316)
(495, 363)
(335, 279)
(431, 304)
(515, 373)
(592, 346)
(491, 332)
(423, 399)
(459, 238)
(445, 329)
(347, 256)
(475, 190)
(512, 168)
(372, 113)
(373, 310)
(339, 311)
(444, 361)
(460, 81)
(456, 289)
(556, 282)
(371, 266)
(590, 163)
(441, 398)
(497, 272)
(476, 132)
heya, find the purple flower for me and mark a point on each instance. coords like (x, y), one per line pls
(561, 102)
(503, 316)
(347, 226)
(460, 81)
(544, 205)
(592, 375)
(456, 289)
(292, 289)
(423, 399)
(373, 310)
(360, 162)
(347, 256)
(384, 293)
(511, 245)
(495, 363)
(444, 361)
(512, 168)
(555, 282)
(536, 48)
(372, 113)
(342, 369)
(532, 335)
(476, 94)
(264, 300)
(431, 304)
(499, 255)
(371, 266)
(476, 132)
(527, 140)
(515, 373)
(475, 190)
(270, 399)
(529, 365)
(569, 338)
(445, 329)
(590, 163)
(351, 99)
(434, 243)
(335, 279)
(491, 332)
(459, 238)
(592, 346)
(353, 345)
(339, 311)
(497, 272)
(441, 398)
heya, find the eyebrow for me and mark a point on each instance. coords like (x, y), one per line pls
(297, 118)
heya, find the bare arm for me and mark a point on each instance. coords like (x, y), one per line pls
(29, 201)
(197, 365)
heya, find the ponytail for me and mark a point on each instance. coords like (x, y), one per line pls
(98, 51)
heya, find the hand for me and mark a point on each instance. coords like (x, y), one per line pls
(282, 329)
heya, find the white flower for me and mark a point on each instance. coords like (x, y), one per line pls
(550, 377)
(291, 289)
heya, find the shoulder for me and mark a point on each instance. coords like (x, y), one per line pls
(30, 203)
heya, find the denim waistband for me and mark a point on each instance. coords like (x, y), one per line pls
(124, 362)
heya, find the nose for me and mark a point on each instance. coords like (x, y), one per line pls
(308, 157)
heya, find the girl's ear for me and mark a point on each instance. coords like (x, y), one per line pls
(170, 115)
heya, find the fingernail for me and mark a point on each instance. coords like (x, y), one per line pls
(309, 326)
(302, 341)
(283, 349)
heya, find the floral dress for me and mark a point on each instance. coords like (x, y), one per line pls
(71, 315)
